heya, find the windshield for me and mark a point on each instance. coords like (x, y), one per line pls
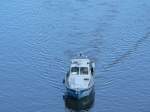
(84, 70)
(75, 70)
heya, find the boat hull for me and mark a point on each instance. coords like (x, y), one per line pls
(80, 104)
(79, 94)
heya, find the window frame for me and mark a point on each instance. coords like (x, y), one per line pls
(77, 73)
(82, 73)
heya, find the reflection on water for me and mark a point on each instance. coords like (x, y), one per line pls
(82, 105)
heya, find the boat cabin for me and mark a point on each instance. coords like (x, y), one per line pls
(81, 67)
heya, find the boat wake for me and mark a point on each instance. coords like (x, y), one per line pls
(125, 55)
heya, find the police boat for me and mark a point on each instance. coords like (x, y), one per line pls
(79, 80)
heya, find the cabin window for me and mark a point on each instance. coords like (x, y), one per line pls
(75, 70)
(84, 70)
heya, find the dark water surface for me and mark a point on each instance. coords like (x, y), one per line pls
(39, 37)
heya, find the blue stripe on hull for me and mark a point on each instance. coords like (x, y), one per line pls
(78, 94)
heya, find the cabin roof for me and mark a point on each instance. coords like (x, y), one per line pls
(80, 62)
